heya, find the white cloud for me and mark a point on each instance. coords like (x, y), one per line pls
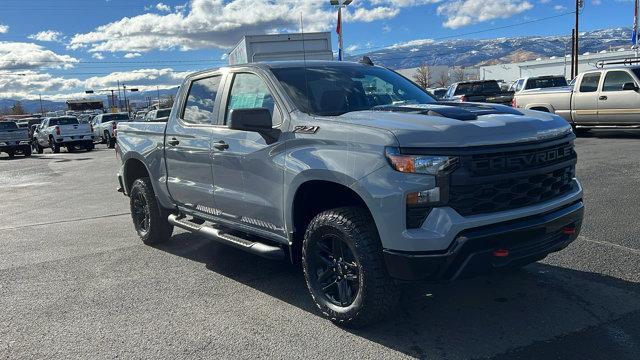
(461, 13)
(21, 56)
(412, 43)
(545, 1)
(163, 7)
(221, 23)
(596, 2)
(4, 29)
(98, 56)
(48, 35)
(559, 8)
(404, 3)
(30, 83)
(386, 29)
(132, 55)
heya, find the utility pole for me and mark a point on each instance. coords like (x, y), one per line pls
(575, 38)
(41, 107)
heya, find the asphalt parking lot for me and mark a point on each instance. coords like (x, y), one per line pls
(75, 281)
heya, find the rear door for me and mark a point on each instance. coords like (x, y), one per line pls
(616, 105)
(188, 144)
(249, 184)
(585, 99)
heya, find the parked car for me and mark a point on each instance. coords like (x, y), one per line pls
(438, 93)
(600, 98)
(140, 115)
(160, 115)
(485, 91)
(104, 126)
(63, 131)
(538, 82)
(355, 172)
(14, 139)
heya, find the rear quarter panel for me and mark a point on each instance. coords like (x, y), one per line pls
(144, 142)
(557, 102)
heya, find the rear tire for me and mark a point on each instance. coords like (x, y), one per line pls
(27, 152)
(149, 219)
(344, 269)
(11, 154)
(55, 148)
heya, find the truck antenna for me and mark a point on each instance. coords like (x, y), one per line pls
(304, 60)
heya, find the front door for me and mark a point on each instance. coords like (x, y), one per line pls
(249, 181)
(617, 106)
(585, 100)
(188, 146)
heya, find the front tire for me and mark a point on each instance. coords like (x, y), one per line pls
(344, 269)
(148, 218)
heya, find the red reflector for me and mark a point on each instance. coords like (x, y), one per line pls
(501, 253)
(569, 230)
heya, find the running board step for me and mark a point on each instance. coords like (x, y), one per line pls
(254, 247)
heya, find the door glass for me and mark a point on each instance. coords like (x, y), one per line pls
(615, 80)
(248, 92)
(590, 83)
(200, 101)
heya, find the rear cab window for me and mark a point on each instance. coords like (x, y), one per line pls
(199, 107)
(8, 125)
(589, 82)
(478, 88)
(63, 121)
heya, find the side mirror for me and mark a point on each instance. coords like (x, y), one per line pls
(630, 86)
(254, 120)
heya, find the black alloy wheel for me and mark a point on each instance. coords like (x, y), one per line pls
(140, 213)
(334, 270)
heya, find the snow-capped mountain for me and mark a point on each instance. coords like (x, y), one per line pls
(468, 52)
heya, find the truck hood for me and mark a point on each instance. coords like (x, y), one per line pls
(460, 124)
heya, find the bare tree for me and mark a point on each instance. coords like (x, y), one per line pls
(458, 74)
(423, 76)
(443, 80)
(17, 109)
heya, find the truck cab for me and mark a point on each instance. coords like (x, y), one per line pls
(607, 96)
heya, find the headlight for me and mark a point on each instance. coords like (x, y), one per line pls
(420, 164)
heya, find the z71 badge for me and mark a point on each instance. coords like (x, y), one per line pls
(306, 129)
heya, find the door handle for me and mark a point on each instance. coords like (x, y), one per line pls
(603, 97)
(173, 142)
(221, 145)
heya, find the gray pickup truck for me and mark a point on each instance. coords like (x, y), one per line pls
(13, 139)
(364, 188)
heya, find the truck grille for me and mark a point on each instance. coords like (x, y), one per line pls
(507, 180)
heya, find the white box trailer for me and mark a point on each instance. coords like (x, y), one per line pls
(255, 48)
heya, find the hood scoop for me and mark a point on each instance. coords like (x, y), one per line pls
(451, 110)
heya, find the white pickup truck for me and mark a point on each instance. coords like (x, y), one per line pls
(599, 98)
(64, 131)
(104, 126)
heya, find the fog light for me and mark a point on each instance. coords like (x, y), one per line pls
(424, 197)
(569, 230)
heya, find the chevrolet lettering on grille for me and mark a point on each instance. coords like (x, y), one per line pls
(516, 162)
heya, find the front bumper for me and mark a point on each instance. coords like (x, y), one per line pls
(480, 250)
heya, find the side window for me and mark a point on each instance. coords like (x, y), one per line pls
(248, 91)
(519, 84)
(590, 83)
(200, 101)
(615, 80)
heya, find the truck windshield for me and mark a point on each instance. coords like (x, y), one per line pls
(8, 125)
(117, 117)
(541, 83)
(478, 88)
(63, 121)
(332, 90)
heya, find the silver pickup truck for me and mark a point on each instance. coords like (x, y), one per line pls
(14, 139)
(601, 98)
(63, 131)
(356, 173)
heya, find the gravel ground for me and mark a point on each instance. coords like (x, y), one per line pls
(75, 282)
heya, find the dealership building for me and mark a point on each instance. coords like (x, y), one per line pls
(550, 66)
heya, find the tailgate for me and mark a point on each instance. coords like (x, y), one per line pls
(73, 130)
(14, 135)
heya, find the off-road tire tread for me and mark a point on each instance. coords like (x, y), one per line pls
(159, 229)
(381, 292)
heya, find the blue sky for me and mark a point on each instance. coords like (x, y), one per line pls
(60, 47)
